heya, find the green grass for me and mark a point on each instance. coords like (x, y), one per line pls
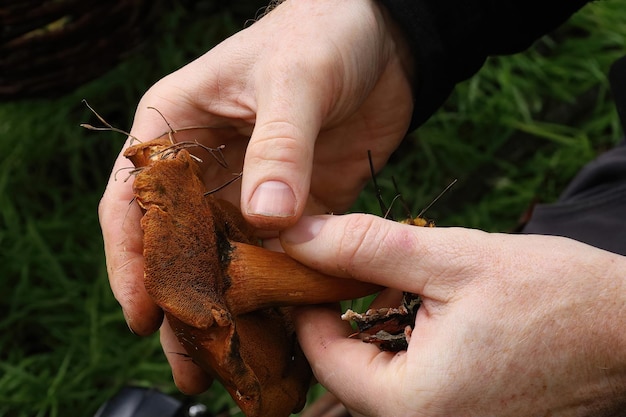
(516, 132)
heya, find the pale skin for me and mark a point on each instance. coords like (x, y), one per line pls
(509, 323)
(297, 98)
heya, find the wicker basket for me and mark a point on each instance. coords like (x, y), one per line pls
(49, 47)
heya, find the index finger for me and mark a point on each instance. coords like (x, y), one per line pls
(120, 219)
(358, 373)
(123, 247)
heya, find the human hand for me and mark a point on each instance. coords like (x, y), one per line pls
(326, 405)
(511, 325)
(297, 98)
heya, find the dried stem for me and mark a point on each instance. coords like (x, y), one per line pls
(107, 125)
(226, 184)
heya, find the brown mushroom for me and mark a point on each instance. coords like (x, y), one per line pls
(226, 298)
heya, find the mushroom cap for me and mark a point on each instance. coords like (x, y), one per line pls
(187, 235)
(227, 299)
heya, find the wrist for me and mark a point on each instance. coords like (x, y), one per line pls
(608, 353)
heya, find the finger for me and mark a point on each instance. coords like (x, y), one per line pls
(347, 366)
(164, 112)
(120, 218)
(428, 261)
(189, 378)
(123, 246)
(326, 406)
(121, 231)
(183, 106)
(389, 297)
(279, 158)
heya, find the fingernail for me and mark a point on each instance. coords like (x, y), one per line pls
(273, 199)
(305, 230)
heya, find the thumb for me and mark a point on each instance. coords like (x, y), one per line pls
(433, 262)
(279, 158)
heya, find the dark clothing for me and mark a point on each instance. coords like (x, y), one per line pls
(451, 39)
(592, 209)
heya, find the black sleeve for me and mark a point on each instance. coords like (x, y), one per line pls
(451, 39)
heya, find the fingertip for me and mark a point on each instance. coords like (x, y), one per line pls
(142, 315)
(306, 229)
(309, 318)
(144, 321)
(189, 378)
(192, 382)
(319, 327)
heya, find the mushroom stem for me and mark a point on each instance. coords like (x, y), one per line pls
(260, 278)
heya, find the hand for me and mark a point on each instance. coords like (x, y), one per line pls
(297, 98)
(511, 325)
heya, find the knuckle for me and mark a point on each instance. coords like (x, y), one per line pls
(106, 207)
(360, 244)
(103, 208)
(278, 142)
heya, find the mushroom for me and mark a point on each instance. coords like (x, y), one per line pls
(227, 299)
